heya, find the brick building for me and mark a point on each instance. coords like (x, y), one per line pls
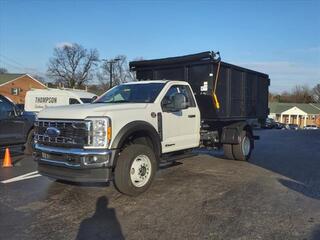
(298, 113)
(15, 86)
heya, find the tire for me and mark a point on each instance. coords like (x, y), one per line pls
(28, 147)
(135, 169)
(227, 148)
(242, 151)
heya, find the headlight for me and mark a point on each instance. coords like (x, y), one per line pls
(99, 132)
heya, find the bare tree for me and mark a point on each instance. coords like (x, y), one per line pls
(3, 70)
(285, 96)
(298, 94)
(120, 73)
(72, 65)
(38, 77)
(301, 94)
(316, 93)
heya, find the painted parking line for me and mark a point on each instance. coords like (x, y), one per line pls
(22, 177)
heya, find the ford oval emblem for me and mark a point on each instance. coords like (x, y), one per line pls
(52, 132)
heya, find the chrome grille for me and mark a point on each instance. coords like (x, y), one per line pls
(72, 133)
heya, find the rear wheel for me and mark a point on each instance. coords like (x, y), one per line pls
(227, 148)
(135, 169)
(242, 151)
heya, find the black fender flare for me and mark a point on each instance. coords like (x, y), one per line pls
(138, 126)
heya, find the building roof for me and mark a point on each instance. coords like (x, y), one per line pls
(310, 108)
(9, 77)
(316, 105)
(6, 77)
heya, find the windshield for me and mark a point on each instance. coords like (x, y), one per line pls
(133, 93)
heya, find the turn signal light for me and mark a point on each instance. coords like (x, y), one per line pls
(109, 134)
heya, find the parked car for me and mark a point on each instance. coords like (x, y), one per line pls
(269, 124)
(310, 127)
(292, 127)
(279, 125)
(16, 126)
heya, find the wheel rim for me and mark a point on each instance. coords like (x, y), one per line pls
(246, 145)
(140, 171)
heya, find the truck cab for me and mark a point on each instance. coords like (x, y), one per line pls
(121, 136)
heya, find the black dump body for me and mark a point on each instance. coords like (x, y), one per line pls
(242, 93)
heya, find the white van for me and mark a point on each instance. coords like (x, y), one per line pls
(38, 99)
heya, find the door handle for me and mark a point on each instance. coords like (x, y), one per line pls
(192, 116)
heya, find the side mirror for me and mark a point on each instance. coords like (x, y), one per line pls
(166, 102)
(180, 102)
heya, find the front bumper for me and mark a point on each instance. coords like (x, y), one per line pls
(73, 164)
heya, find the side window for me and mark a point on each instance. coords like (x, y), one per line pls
(73, 101)
(168, 98)
(185, 90)
(6, 109)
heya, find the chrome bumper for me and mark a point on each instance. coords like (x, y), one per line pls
(73, 157)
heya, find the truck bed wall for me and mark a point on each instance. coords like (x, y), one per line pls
(242, 93)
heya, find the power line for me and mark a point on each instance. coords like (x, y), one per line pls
(11, 60)
(11, 65)
(19, 66)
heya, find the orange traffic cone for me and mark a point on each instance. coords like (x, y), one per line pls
(7, 159)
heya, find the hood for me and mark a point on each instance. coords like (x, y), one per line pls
(81, 111)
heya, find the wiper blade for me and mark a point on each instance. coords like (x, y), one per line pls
(118, 101)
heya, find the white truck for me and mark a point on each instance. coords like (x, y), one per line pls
(38, 99)
(127, 132)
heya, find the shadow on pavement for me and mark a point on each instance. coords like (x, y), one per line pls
(102, 225)
(84, 184)
(169, 165)
(312, 191)
(293, 154)
(213, 153)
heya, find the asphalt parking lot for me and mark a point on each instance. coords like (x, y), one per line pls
(276, 195)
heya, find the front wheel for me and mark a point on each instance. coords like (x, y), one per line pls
(135, 169)
(29, 145)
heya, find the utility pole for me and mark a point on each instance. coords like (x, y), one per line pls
(111, 70)
(111, 62)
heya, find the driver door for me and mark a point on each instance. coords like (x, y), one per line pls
(181, 129)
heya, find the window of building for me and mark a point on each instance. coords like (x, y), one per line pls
(15, 91)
